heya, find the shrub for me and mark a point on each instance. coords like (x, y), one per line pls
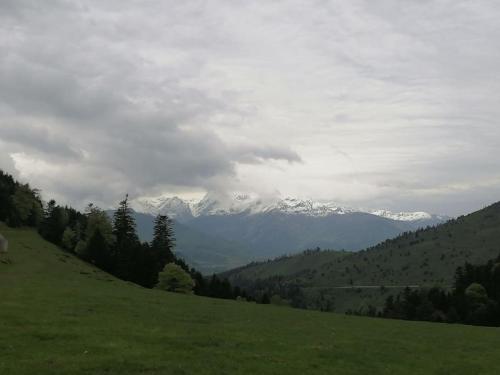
(174, 279)
(476, 293)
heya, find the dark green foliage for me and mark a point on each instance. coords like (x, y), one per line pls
(7, 190)
(129, 260)
(19, 204)
(99, 252)
(124, 224)
(163, 242)
(474, 300)
(265, 299)
(54, 222)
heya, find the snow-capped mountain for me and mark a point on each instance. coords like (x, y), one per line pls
(214, 204)
(269, 226)
(403, 216)
(174, 207)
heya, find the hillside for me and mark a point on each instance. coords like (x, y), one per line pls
(59, 315)
(422, 258)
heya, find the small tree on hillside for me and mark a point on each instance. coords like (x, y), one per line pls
(174, 279)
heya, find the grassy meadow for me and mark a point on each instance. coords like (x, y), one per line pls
(59, 315)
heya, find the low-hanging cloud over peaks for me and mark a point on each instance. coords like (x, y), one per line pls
(383, 104)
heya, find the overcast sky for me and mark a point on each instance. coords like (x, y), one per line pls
(377, 104)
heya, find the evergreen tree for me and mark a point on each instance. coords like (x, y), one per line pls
(98, 251)
(7, 189)
(163, 242)
(97, 219)
(265, 299)
(54, 223)
(127, 241)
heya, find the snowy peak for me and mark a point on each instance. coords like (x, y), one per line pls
(402, 216)
(223, 204)
(307, 207)
(174, 207)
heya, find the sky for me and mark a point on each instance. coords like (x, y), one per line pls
(377, 104)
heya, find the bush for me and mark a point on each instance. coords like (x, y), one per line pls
(174, 279)
(476, 293)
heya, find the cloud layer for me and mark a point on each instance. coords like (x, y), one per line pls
(382, 104)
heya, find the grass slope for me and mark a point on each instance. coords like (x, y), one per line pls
(59, 315)
(427, 257)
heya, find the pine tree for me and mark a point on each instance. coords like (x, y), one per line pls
(98, 251)
(163, 242)
(127, 241)
(124, 227)
(54, 223)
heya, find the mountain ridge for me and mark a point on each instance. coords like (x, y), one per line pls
(216, 204)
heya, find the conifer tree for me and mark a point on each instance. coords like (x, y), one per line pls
(124, 227)
(163, 242)
(98, 251)
(54, 222)
(127, 241)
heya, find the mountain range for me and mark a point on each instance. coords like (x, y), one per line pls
(220, 232)
(213, 204)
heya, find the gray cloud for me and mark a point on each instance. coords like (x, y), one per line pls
(386, 103)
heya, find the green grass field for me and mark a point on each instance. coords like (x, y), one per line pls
(59, 315)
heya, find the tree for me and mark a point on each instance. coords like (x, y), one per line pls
(54, 222)
(97, 219)
(26, 207)
(68, 240)
(174, 279)
(98, 251)
(476, 293)
(265, 299)
(124, 227)
(127, 241)
(7, 189)
(163, 242)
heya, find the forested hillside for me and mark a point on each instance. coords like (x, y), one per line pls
(110, 243)
(341, 281)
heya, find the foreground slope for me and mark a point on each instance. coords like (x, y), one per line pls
(422, 258)
(59, 315)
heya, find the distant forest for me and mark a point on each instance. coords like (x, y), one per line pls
(475, 299)
(111, 245)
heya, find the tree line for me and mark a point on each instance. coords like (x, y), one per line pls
(112, 245)
(474, 299)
